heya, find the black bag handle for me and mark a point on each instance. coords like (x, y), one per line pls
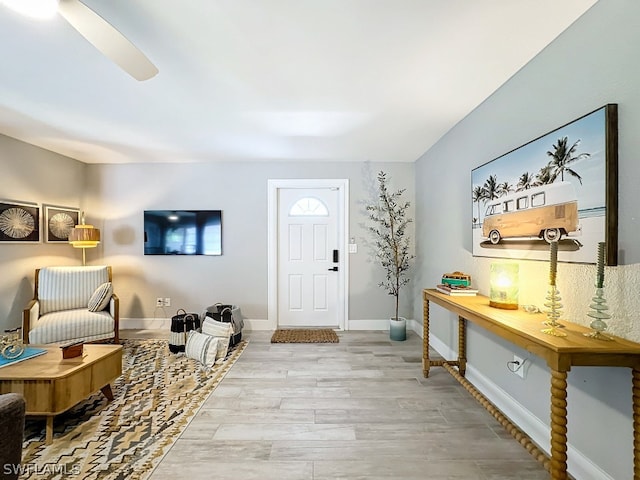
(187, 316)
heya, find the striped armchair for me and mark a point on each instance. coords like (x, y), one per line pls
(72, 304)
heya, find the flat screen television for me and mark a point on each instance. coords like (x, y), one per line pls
(183, 232)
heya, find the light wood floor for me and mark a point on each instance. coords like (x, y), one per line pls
(359, 409)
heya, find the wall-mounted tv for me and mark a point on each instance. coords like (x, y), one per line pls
(183, 232)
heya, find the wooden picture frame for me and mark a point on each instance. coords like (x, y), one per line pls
(561, 186)
(58, 222)
(19, 222)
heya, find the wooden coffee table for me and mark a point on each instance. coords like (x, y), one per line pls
(51, 385)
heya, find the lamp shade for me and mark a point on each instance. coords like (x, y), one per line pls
(84, 236)
(504, 286)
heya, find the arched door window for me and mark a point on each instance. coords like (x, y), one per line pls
(307, 207)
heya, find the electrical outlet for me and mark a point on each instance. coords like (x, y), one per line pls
(517, 366)
(167, 302)
(159, 302)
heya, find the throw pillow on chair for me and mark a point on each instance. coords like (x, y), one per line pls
(100, 298)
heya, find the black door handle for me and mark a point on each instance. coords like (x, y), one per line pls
(333, 269)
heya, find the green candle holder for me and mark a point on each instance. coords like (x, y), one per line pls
(553, 303)
(599, 304)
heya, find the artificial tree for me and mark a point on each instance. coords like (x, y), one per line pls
(391, 240)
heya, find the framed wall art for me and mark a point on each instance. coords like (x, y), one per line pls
(58, 222)
(561, 186)
(19, 222)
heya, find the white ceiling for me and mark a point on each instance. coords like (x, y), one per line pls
(341, 80)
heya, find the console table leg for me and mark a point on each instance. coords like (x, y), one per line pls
(558, 466)
(636, 423)
(462, 345)
(426, 363)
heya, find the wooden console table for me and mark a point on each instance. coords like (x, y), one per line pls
(560, 353)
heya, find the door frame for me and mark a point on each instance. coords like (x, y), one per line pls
(274, 186)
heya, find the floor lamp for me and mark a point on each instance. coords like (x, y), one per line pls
(84, 236)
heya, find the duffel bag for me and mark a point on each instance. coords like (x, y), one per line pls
(182, 323)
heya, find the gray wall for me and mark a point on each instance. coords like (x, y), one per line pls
(593, 63)
(30, 174)
(120, 193)
(115, 197)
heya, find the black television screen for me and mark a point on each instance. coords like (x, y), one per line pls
(183, 232)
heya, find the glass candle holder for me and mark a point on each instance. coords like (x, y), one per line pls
(504, 286)
(554, 311)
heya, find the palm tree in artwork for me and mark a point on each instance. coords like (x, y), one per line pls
(561, 157)
(525, 182)
(490, 188)
(504, 188)
(544, 176)
(477, 195)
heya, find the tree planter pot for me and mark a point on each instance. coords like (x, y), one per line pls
(398, 329)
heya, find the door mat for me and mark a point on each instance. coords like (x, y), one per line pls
(305, 335)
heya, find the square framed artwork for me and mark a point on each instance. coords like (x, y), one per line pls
(58, 222)
(19, 222)
(562, 186)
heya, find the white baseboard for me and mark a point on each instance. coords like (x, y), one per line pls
(415, 326)
(165, 324)
(145, 323)
(380, 324)
(262, 324)
(258, 324)
(578, 464)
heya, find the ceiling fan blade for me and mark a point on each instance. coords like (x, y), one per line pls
(107, 39)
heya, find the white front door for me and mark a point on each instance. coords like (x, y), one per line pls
(309, 247)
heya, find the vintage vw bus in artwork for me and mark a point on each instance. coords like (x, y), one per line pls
(549, 212)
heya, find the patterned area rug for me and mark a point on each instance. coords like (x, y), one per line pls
(156, 397)
(303, 335)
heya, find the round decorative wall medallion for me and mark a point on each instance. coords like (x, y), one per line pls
(61, 224)
(17, 223)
